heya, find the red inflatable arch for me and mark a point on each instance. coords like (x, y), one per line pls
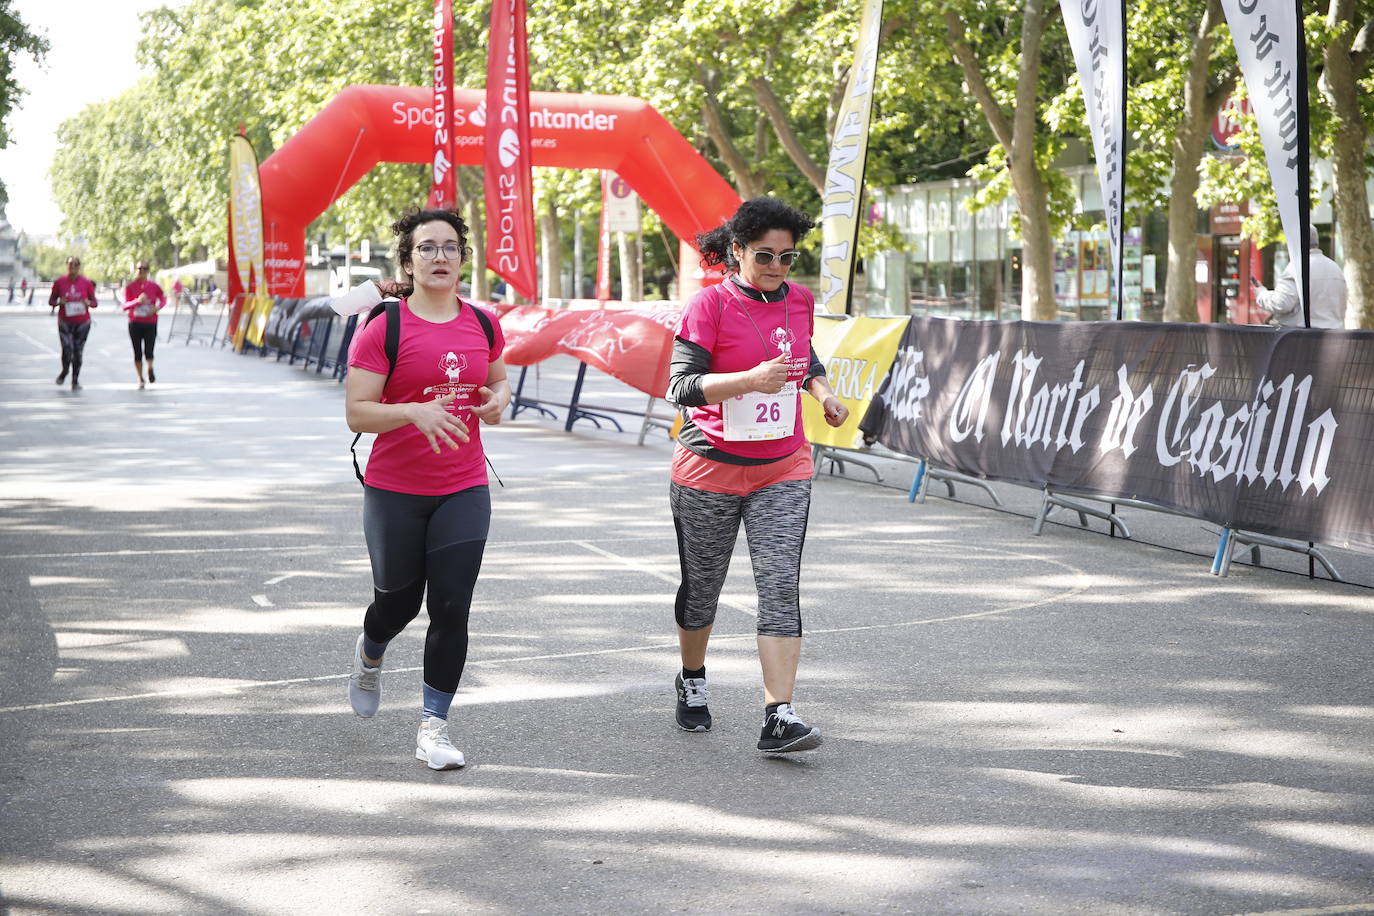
(365, 125)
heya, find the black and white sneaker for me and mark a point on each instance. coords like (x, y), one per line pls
(692, 713)
(783, 732)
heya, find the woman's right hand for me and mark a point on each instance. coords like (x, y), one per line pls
(438, 425)
(769, 376)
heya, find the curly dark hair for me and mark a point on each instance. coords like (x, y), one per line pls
(751, 221)
(404, 230)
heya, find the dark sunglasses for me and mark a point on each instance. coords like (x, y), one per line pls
(764, 258)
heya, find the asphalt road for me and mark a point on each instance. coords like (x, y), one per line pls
(1061, 724)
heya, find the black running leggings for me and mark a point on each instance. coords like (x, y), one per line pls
(143, 334)
(422, 544)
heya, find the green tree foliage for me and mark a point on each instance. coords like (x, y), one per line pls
(755, 86)
(16, 39)
(49, 261)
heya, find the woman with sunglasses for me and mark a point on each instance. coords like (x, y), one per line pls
(741, 360)
(426, 506)
(143, 299)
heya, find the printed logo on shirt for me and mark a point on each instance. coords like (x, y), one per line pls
(783, 338)
(452, 365)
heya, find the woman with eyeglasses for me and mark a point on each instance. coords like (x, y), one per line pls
(143, 299)
(741, 360)
(426, 506)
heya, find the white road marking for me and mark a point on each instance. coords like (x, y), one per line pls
(45, 348)
(650, 571)
(263, 601)
(666, 644)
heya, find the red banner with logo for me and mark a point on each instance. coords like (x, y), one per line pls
(633, 345)
(509, 186)
(603, 247)
(443, 189)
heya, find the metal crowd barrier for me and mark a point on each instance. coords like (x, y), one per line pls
(1228, 542)
(578, 410)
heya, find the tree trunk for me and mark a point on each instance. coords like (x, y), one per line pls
(1015, 133)
(782, 126)
(746, 179)
(631, 280)
(477, 239)
(1199, 107)
(551, 251)
(1346, 59)
(1037, 252)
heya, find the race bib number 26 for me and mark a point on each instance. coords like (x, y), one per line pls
(755, 416)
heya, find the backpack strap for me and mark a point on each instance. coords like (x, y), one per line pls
(485, 321)
(391, 346)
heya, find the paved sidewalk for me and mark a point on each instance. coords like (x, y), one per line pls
(1062, 724)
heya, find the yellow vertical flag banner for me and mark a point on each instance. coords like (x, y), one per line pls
(246, 244)
(844, 176)
(857, 354)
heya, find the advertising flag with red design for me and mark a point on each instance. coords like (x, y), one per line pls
(632, 345)
(443, 189)
(509, 186)
(603, 247)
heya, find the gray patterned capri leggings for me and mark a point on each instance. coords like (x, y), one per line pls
(707, 527)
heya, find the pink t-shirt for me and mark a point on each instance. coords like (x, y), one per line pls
(432, 360)
(68, 295)
(740, 333)
(138, 312)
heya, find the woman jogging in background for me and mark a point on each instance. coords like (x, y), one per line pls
(741, 360)
(143, 299)
(73, 297)
(426, 506)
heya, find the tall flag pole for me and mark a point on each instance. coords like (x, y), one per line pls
(1097, 33)
(1273, 59)
(509, 185)
(844, 176)
(247, 284)
(443, 189)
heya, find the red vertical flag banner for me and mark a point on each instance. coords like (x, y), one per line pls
(603, 245)
(509, 186)
(443, 190)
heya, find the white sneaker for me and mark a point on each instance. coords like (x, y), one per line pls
(364, 684)
(433, 747)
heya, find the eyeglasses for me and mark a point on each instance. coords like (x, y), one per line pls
(142, 267)
(764, 258)
(430, 252)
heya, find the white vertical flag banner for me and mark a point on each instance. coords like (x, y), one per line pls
(1273, 59)
(844, 176)
(1097, 33)
(621, 203)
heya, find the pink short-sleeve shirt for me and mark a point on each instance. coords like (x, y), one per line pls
(740, 333)
(432, 360)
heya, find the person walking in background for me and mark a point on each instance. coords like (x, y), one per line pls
(741, 359)
(1326, 287)
(73, 296)
(143, 299)
(426, 505)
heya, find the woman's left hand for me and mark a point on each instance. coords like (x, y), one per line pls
(835, 411)
(491, 408)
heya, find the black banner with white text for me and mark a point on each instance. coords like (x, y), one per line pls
(1263, 430)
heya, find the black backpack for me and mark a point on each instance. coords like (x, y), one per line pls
(392, 345)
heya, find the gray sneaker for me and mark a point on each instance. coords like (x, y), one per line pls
(433, 746)
(364, 684)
